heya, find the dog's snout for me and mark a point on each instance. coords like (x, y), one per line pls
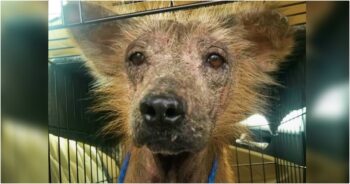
(162, 110)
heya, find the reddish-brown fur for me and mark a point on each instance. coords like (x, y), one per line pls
(257, 39)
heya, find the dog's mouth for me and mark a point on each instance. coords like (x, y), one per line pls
(167, 142)
(168, 162)
(167, 147)
(170, 140)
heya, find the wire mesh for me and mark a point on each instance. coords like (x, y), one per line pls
(77, 152)
(278, 156)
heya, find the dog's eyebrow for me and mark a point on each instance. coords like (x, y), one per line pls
(217, 45)
(212, 43)
(138, 43)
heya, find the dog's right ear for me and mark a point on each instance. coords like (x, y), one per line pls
(96, 41)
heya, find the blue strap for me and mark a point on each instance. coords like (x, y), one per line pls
(211, 177)
(214, 168)
(124, 168)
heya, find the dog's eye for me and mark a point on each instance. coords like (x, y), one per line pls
(137, 58)
(215, 60)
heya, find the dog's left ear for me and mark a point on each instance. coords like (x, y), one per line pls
(96, 41)
(271, 35)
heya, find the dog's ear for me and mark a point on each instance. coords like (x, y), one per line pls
(270, 33)
(97, 41)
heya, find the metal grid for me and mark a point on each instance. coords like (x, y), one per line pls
(82, 21)
(77, 152)
(284, 152)
(98, 162)
(252, 164)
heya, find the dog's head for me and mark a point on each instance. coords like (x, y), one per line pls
(178, 80)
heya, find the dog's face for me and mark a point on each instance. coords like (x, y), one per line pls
(179, 77)
(179, 82)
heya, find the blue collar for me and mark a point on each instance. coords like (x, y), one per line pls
(214, 168)
(211, 177)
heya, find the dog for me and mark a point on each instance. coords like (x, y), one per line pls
(177, 83)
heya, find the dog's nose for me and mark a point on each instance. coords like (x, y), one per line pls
(162, 110)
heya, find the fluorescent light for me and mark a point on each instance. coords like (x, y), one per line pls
(332, 103)
(293, 121)
(256, 121)
(55, 9)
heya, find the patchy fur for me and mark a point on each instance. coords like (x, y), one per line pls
(252, 38)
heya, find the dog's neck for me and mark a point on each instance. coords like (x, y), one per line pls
(144, 166)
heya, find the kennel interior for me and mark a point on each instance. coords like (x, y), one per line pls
(77, 151)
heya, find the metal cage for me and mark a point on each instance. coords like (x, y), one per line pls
(79, 154)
